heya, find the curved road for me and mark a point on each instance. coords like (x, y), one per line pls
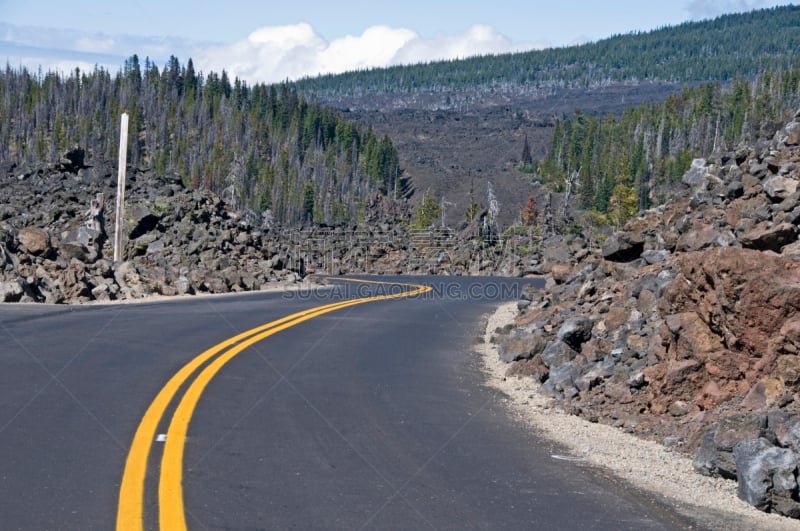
(370, 415)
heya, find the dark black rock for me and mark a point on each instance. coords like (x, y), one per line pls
(714, 457)
(623, 246)
(575, 332)
(557, 353)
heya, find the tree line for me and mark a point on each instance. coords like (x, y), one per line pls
(263, 147)
(722, 49)
(621, 165)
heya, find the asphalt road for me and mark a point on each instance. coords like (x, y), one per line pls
(371, 416)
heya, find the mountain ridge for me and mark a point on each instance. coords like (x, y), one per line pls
(734, 45)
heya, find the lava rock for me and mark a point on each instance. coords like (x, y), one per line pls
(767, 476)
(576, 331)
(623, 247)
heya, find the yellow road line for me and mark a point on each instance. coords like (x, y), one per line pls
(171, 508)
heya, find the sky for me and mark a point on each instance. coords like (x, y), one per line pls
(268, 41)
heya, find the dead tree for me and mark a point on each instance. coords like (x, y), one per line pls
(95, 216)
(547, 214)
(570, 183)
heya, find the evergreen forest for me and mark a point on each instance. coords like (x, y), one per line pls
(274, 150)
(264, 148)
(723, 49)
(623, 165)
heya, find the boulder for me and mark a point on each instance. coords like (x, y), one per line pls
(521, 345)
(156, 247)
(769, 238)
(623, 246)
(101, 292)
(82, 243)
(714, 456)
(35, 240)
(734, 190)
(764, 394)
(779, 188)
(697, 238)
(655, 256)
(767, 476)
(679, 408)
(792, 131)
(696, 175)
(11, 291)
(184, 286)
(562, 380)
(129, 281)
(575, 332)
(534, 368)
(787, 433)
(557, 353)
(140, 219)
(72, 160)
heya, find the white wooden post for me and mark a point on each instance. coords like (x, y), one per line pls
(120, 212)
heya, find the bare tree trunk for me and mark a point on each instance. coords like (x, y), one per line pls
(570, 182)
(96, 219)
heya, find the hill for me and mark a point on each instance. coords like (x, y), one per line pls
(460, 125)
(730, 46)
(448, 129)
(685, 327)
(267, 150)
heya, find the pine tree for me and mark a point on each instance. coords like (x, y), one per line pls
(308, 202)
(287, 152)
(428, 211)
(623, 205)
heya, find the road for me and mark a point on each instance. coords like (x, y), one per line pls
(368, 415)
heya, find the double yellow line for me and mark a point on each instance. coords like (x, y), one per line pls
(171, 512)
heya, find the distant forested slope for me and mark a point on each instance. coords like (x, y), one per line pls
(728, 47)
(740, 73)
(273, 148)
(625, 164)
(263, 147)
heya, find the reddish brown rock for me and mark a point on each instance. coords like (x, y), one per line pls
(766, 237)
(35, 240)
(699, 237)
(765, 394)
(561, 272)
(788, 369)
(727, 317)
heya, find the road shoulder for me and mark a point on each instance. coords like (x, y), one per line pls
(645, 464)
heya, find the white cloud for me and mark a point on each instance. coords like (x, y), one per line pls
(272, 54)
(94, 44)
(477, 40)
(55, 49)
(268, 54)
(377, 46)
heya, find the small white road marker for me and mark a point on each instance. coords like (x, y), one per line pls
(161, 437)
(567, 458)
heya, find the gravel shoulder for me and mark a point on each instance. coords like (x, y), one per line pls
(712, 502)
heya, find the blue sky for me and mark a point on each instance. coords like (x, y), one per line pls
(271, 41)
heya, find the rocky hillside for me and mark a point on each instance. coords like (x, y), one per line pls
(453, 149)
(53, 249)
(57, 222)
(681, 328)
(685, 326)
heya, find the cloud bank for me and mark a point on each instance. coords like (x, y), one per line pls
(62, 50)
(268, 54)
(273, 54)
